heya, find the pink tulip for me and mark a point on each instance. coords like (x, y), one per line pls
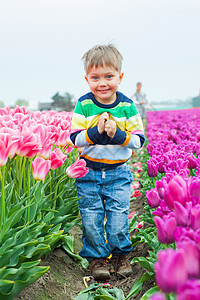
(161, 186)
(176, 191)
(57, 158)
(140, 225)
(160, 167)
(157, 296)
(63, 136)
(41, 168)
(28, 145)
(182, 214)
(153, 198)
(170, 270)
(152, 169)
(68, 150)
(8, 146)
(136, 193)
(185, 233)
(194, 190)
(165, 229)
(189, 291)
(3, 153)
(45, 150)
(132, 214)
(192, 162)
(192, 257)
(77, 169)
(195, 217)
(162, 210)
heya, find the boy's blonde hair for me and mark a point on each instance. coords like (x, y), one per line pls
(101, 55)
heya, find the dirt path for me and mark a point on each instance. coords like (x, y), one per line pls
(64, 280)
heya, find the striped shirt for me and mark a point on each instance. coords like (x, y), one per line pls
(99, 150)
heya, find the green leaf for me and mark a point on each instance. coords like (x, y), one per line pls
(4, 283)
(102, 297)
(27, 274)
(92, 286)
(68, 240)
(117, 293)
(135, 289)
(144, 263)
(82, 297)
(150, 292)
(147, 276)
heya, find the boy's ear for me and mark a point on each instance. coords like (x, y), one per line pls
(121, 77)
(86, 78)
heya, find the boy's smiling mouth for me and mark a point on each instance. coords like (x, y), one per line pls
(104, 90)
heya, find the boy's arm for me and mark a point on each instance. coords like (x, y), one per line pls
(133, 136)
(80, 135)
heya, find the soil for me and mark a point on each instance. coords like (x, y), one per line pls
(64, 280)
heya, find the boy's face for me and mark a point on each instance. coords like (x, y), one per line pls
(103, 83)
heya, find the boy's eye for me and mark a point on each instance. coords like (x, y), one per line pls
(95, 77)
(109, 76)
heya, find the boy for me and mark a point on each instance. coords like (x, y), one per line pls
(106, 127)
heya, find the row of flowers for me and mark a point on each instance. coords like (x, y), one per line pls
(174, 147)
(37, 134)
(38, 199)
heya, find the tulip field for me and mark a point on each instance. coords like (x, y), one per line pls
(38, 201)
(172, 188)
(39, 204)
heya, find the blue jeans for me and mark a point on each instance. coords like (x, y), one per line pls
(105, 192)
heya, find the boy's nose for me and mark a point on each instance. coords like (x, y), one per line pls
(102, 83)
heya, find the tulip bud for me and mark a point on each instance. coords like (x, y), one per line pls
(153, 198)
(151, 169)
(77, 169)
(165, 229)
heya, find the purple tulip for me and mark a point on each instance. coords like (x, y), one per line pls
(151, 169)
(195, 217)
(182, 214)
(192, 162)
(185, 234)
(189, 291)
(192, 257)
(170, 270)
(160, 166)
(161, 186)
(157, 296)
(176, 191)
(153, 198)
(165, 229)
(194, 190)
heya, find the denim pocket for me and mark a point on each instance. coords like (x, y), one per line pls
(86, 189)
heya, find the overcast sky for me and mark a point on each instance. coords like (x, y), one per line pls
(42, 42)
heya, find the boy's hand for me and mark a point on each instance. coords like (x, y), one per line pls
(110, 128)
(103, 118)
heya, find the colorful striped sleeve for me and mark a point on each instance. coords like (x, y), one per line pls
(135, 128)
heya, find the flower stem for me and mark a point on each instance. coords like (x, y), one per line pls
(2, 211)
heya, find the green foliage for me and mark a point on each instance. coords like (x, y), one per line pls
(100, 292)
(35, 219)
(1, 104)
(22, 102)
(14, 280)
(63, 102)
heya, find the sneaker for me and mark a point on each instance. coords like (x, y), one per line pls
(99, 269)
(121, 265)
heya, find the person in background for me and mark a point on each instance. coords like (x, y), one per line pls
(141, 101)
(106, 126)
